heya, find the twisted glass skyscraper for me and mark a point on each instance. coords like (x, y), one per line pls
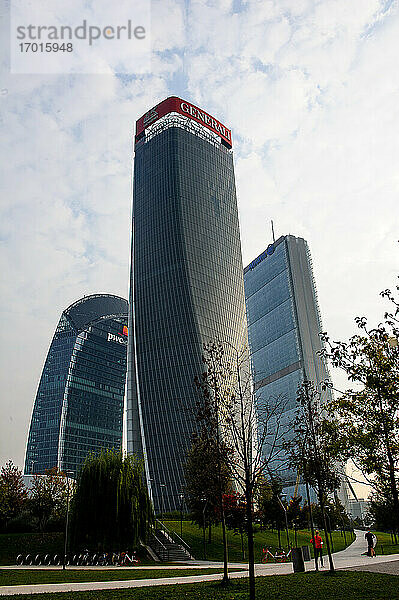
(186, 281)
(79, 403)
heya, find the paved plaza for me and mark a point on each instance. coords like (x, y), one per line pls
(351, 558)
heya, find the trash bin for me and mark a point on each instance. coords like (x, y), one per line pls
(306, 552)
(297, 560)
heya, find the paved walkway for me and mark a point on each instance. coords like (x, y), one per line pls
(391, 568)
(350, 557)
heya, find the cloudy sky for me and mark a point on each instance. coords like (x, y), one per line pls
(310, 90)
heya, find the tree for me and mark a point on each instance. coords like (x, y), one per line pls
(310, 450)
(48, 497)
(294, 509)
(202, 481)
(235, 511)
(366, 420)
(13, 493)
(381, 513)
(337, 516)
(267, 499)
(111, 507)
(252, 433)
(212, 386)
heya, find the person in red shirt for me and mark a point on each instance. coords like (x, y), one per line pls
(318, 547)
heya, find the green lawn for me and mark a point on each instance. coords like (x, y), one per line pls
(193, 535)
(385, 544)
(299, 586)
(32, 576)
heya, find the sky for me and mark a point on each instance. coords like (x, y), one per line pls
(310, 90)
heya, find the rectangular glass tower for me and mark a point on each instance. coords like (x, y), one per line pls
(283, 326)
(186, 282)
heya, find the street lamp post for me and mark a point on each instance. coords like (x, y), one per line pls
(162, 486)
(329, 527)
(181, 514)
(67, 473)
(205, 501)
(286, 522)
(311, 521)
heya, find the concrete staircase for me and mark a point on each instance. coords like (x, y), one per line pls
(167, 545)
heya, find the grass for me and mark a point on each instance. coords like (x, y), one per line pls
(33, 576)
(299, 586)
(36, 543)
(385, 544)
(193, 535)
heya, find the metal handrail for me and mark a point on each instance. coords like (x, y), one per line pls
(164, 549)
(173, 535)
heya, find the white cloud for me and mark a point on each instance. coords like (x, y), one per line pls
(311, 92)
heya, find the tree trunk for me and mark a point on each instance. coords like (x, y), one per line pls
(321, 503)
(311, 524)
(392, 482)
(225, 579)
(210, 533)
(251, 557)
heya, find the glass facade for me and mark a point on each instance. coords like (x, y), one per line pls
(79, 403)
(283, 326)
(186, 290)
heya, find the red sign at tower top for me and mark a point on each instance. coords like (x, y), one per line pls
(174, 104)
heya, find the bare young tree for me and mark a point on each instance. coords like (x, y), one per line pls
(251, 430)
(311, 451)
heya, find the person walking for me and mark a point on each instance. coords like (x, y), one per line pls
(318, 547)
(371, 542)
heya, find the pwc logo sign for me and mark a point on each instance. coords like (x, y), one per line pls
(118, 338)
(177, 105)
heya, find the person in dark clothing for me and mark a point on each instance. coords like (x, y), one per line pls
(369, 537)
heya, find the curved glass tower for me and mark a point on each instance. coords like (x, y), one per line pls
(79, 403)
(186, 281)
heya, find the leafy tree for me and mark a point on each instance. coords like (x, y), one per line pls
(270, 511)
(305, 518)
(212, 386)
(236, 511)
(337, 516)
(310, 450)
(294, 509)
(204, 480)
(111, 507)
(48, 497)
(13, 493)
(366, 420)
(381, 512)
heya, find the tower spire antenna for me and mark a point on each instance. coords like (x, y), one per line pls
(274, 239)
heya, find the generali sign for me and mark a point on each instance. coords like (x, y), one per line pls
(177, 105)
